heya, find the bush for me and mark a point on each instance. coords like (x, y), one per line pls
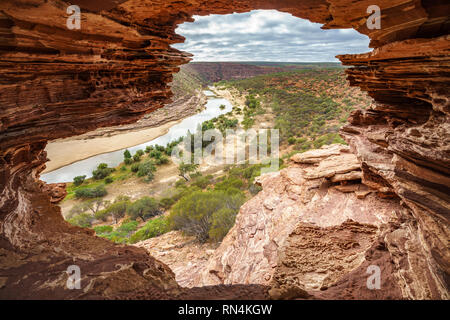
(140, 152)
(83, 220)
(102, 215)
(144, 208)
(128, 227)
(145, 169)
(134, 167)
(127, 154)
(162, 160)
(193, 213)
(96, 192)
(148, 149)
(152, 228)
(166, 203)
(156, 154)
(78, 180)
(222, 221)
(292, 140)
(229, 182)
(202, 182)
(137, 158)
(103, 229)
(109, 180)
(118, 208)
(122, 233)
(128, 161)
(102, 171)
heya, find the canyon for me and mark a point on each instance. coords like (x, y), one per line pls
(316, 226)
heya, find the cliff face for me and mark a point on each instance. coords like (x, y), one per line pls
(58, 82)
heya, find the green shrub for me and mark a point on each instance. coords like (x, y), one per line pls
(118, 209)
(193, 213)
(136, 157)
(96, 192)
(102, 171)
(162, 160)
(148, 149)
(83, 220)
(78, 180)
(156, 154)
(146, 169)
(202, 182)
(127, 154)
(128, 161)
(292, 140)
(144, 208)
(128, 227)
(103, 229)
(109, 180)
(102, 215)
(152, 228)
(222, 221)
(140, 152)
(134, 167)
(166, 203)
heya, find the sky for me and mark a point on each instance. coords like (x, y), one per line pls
(266, 35)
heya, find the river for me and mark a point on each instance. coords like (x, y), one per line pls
(113, 159)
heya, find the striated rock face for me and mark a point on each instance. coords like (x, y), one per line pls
(302, 231)
(183, 254)
(58, 83)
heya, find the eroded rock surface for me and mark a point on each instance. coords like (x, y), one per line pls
(302, 197)
(58, 83)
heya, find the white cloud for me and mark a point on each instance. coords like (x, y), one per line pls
(266, 35)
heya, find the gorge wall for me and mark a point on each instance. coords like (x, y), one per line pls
(58, 83)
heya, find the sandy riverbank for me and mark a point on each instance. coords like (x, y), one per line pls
(65, 152)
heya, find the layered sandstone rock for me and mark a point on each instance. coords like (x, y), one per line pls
(183, 254)
(280, 228)
(58, 82)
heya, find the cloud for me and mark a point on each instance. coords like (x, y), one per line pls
(266, 35)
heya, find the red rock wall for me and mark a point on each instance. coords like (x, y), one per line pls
(57, 83)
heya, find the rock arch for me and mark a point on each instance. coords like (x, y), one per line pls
(57, 83)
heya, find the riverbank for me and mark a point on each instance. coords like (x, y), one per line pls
(67, 151)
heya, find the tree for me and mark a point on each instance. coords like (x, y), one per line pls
(95, 204)
(127, 154)
(118, 209)
(186, 168)
(78, 180)
(83, 220)
(144, 208)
